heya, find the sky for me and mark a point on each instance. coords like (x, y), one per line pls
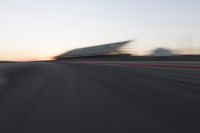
(39, 29)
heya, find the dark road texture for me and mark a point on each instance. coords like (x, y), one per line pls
(67, 97)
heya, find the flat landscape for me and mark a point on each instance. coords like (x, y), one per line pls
(100, 96)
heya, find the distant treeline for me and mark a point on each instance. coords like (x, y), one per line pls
(127, 57)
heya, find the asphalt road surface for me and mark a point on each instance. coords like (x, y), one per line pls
(99, 97)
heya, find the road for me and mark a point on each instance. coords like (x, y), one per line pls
(99, 97)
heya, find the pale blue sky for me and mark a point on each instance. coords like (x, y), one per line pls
(41, 28)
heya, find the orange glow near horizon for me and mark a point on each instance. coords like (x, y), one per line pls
(37, 59)
(46, 58)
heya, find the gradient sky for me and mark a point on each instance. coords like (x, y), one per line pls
(42, 28)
